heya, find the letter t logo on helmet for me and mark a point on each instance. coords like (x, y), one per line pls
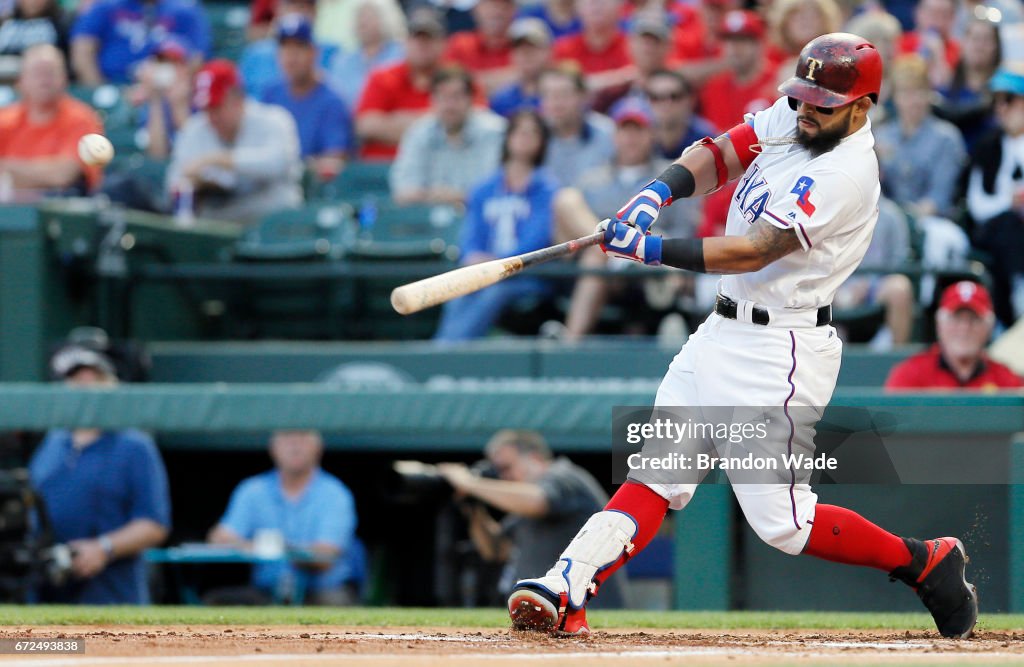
(812, 64)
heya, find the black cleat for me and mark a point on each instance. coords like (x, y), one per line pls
(936, 573)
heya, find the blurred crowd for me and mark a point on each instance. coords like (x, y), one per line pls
(537, 118)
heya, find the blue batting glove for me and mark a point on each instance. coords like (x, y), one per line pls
(627, 242)
(642, 210)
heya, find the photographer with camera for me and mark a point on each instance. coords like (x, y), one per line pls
(543, 499)
(106, 495)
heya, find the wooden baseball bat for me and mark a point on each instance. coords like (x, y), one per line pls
(414, 297)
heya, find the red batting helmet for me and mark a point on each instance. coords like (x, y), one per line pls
(834, 70)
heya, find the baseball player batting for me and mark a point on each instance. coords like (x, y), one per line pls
(798, 225)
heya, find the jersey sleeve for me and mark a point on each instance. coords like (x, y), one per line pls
(816, 204)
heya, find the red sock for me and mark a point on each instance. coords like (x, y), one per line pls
(648, 510)
(840, 535)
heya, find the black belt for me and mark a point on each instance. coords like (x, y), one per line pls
(726, 307)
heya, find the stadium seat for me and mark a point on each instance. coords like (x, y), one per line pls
(389, 231)
(314, 308)
(309, 233)
(357, 180)
(107, 99)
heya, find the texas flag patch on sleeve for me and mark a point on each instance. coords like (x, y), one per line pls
(802, 190)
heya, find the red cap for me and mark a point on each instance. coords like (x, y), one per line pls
(967, 294)
(213, 82)
(632, 110)
(742, 23)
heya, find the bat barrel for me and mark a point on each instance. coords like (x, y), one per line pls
(416, 296)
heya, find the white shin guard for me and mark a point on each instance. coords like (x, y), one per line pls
(602, 540)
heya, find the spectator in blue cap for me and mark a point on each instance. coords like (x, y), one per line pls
(995, 194)
(324, 123)
(259, 63)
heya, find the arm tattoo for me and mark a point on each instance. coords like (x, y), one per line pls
(772, 242)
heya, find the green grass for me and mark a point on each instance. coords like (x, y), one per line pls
(484, 618)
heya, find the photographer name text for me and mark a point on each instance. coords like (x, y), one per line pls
(702, 461)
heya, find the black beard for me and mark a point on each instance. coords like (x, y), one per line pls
(825, 140)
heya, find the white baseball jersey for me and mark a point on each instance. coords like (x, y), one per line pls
(831, 201)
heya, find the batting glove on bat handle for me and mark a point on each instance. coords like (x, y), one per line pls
(625, 241)
(642, 210)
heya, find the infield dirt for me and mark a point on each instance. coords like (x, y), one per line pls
(231, 646)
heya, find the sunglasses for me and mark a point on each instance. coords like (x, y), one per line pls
(794, 104)
(666, 97)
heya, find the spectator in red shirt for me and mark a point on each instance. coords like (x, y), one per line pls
(487, 51)
(650, 46)
(600, 49)
(932, 37)
(686, 22)
(748, 84)
(701, 55)
(958, 361)
(396, 95)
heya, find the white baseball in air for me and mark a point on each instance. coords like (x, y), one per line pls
(95, 150)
